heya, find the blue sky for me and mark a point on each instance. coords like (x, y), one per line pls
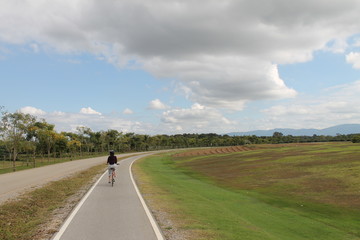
(172, 67)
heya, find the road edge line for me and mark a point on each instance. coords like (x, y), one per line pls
(154, 225)
(76, 209)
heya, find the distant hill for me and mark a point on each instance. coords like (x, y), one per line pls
(331, 131)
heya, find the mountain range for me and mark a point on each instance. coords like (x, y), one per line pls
(331, 131)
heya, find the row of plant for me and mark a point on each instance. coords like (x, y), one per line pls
(25, 135)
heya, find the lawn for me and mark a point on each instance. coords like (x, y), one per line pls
(294, 191)
(27, 162)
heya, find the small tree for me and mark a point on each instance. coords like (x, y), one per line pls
(277, 137)
(45, 135)
(356, 139)
(60, 143)
(13, 130)
(74, 146)
(30, 148)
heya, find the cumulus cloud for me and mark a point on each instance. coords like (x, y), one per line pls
(354, 59)
(156, 104)
(356, 42)
(224, 82)
(89, 110)
(32, 110)
(223, 53)
(198, 118)
(65, 121)
(338, 107)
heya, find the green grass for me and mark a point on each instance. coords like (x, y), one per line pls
(7, 166)
(261, 194)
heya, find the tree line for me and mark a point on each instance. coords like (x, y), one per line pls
(24, 134)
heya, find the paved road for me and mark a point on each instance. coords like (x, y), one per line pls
(12, 184)
(111, 212)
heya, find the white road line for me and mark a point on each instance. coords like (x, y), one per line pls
(72, 215)
(148, 213)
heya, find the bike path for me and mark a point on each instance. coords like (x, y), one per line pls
(111, 212)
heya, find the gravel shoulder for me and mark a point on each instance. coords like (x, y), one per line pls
(14, 184)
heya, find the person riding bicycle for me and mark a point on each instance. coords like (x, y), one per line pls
(112, 162)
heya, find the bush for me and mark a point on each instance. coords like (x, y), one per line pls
(356, 139)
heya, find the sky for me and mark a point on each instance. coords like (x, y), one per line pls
(173, 67)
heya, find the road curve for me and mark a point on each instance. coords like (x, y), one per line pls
(13, 184)
(111, 212)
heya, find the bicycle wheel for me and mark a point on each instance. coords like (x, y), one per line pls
(112, 178)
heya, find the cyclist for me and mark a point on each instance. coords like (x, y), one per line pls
(112, 162)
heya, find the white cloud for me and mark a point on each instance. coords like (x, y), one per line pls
(156, 104)
(32, 110)
(224, 53)
(338, 107)
(356, 42)
(337, 46)
(196, 119)
(65, 121)
(354, 59)
(224, 82)
(128, 111)
(89, 110)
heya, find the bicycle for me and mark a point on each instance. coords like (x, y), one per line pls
(112, 169)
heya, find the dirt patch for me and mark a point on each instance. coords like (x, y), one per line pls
(331, 191)
(331, 159)
(323, 184)
(211, 151)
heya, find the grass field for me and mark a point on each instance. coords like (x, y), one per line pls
(295, 191)
(7, 166)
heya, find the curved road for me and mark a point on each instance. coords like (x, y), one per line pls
(13, 184)
(111, 212)
(105, 212)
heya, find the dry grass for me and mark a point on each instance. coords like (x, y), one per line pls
(211, 151)
(325, 173)
(38, 214)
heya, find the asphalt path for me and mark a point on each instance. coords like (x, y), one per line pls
(13, 184)
(107, 212)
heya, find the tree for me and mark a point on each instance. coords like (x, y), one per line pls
(111, 138)
(74, 146)
(13, 129)
(356, 139)
(84, 134)
(45, 135)
(60, 143)
(30, 148)
(277, 137)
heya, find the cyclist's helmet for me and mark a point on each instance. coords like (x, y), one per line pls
(112, 152)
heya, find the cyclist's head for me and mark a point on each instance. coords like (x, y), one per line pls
(112, 152)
